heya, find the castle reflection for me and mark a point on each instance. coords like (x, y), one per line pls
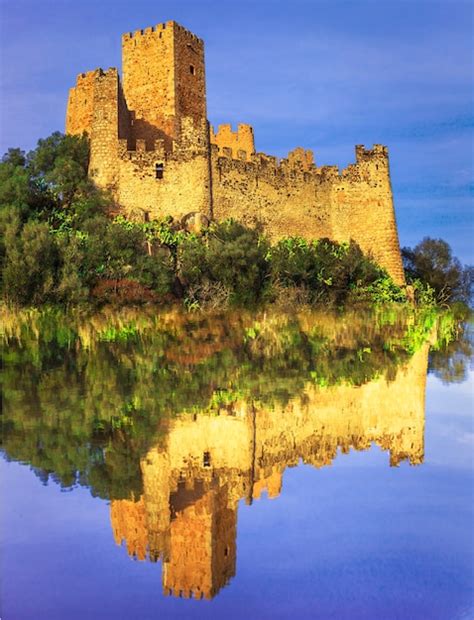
(204, 464)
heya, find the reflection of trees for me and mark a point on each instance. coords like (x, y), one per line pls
(452, 362)
(85, 398)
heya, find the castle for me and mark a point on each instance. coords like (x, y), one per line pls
(203, 465)
(153, 148)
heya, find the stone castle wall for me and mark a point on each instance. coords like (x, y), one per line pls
(295, 197)
(159, 119)
(185, 186)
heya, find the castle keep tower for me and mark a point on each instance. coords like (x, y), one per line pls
(153, 149)
(163, 80)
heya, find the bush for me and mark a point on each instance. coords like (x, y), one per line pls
(328, 272)
(229, 255)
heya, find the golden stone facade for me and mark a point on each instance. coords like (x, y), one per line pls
(194, 478)
(153, 148)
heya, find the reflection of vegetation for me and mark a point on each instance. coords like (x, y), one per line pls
(451, 361)
(86, 396)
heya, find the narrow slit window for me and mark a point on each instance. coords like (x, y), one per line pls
(206, 461)
(159, 169)
(192, 69)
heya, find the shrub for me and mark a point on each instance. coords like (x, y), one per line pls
(326, 271)
(229, 255)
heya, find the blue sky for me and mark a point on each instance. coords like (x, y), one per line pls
(321, 74)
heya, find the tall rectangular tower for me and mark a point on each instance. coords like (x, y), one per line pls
(163, 80)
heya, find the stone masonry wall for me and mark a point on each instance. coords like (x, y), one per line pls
(202, 547)
(80, 105)
(294, 197)
(184, 186)
(190, 75)
(103, 167)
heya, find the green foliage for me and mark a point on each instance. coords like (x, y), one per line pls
(452, 354)
(29, 264)
(432, 262)
(60, 163)
(383, 290)
(331, 273)
(229, 254)
(57, 242)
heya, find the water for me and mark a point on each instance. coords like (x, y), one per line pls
(236, 467)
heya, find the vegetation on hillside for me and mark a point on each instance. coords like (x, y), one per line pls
(61, 245)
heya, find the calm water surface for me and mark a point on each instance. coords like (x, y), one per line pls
(236, 467)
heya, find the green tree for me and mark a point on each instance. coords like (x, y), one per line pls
(61, 163)
(330, 272)
(30, 262)
(432, 261)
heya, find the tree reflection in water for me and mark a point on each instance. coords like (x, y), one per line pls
(176, 418)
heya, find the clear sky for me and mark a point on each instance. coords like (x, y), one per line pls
(321, 74)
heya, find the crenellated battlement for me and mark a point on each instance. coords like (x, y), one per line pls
(239, 144)
(301, 158)
(195, 593)
(298, 166)
(378, 151)
(88, 77)
(129, 149)
(158, 31)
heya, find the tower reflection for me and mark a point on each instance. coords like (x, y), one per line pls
(203, 465)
